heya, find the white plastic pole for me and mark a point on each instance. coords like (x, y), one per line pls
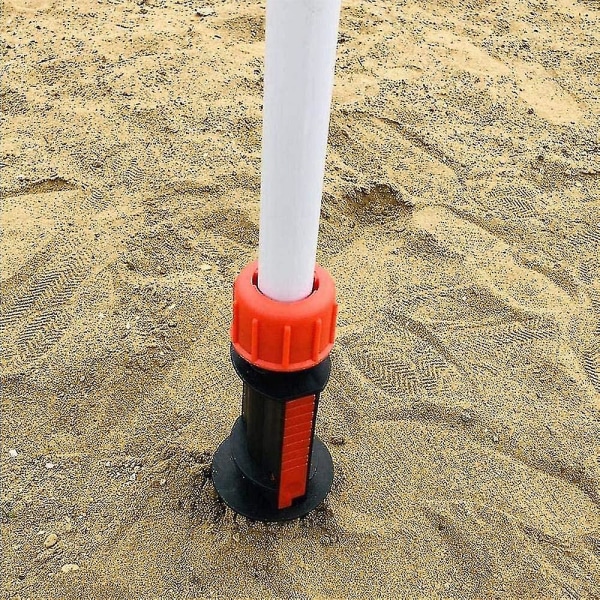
(301, 37)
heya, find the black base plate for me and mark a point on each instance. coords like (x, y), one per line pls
(238, 492)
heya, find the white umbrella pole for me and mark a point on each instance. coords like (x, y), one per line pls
(301, 37)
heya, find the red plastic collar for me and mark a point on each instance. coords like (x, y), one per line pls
(283, 336)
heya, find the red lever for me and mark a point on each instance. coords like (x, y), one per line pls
(295, 450)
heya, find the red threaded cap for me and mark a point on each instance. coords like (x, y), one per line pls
(283, 336)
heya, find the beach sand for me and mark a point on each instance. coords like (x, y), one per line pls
(461, 222)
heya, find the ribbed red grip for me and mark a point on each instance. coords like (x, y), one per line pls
(295, 449)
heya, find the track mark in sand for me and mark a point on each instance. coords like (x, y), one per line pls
(520, 200)
(389, 373)
(560, 278)
(535, 328)
(419, 331)
(589, 273)
(519, 206)
(32, 317)
(424, 365)
(545, 538)
(477, 221)
(589, 236)
(595, 300)
(43, 186)
(484, 368)
(97, 200)
(417, 140)
(431, 370)
(133, 175)
(39, 335)
(21, 303)
(591, 364)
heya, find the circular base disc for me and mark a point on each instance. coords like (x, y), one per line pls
(239, 494)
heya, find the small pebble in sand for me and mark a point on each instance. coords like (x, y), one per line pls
(205, 12)
(205, 267)
(51, 540)
(13, 453)
(466, 416)
(69, 568)
(337, 440)
(50, 465)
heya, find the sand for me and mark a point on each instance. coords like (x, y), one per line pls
(461, 222)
